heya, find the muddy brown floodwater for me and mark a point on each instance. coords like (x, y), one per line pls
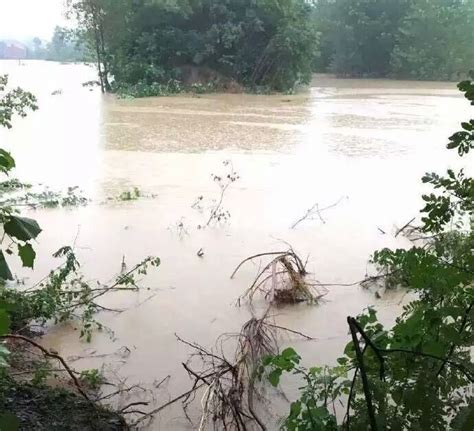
(367, 141)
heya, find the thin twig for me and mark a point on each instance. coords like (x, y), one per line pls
(404, 227)
(170, 402)
(271, 253)
(136, 403)
(315, 209)
(290, 330)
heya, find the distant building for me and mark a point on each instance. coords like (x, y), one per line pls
(12, 49)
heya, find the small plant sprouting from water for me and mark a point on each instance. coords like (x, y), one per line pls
(179, 228)
(12, 185)
(92, 378)
(66, 295)
(218, 214)
(130, 195)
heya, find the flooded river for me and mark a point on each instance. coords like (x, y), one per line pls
(365, 143)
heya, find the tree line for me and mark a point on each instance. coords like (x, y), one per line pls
(273, 45)
(410, 39)
(66, 45)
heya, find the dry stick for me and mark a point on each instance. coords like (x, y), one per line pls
(136, 403)
(404, 227)
(307, 214)
(54, 356)
(174, 400)
(271, 253)
(157, 385)
(363, 374)
(252, 289)
(291, 330)
(120, 391)
(310, 212)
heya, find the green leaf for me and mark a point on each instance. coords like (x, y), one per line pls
(397, 395)
(7, 162)
(8, 306)
(4, 322)
(290, 354)
(464, 421)
(274, 377)
(9, 422)
(27, 255)
(22, 228)
(5, 272)
(295, 409)
(63, 251)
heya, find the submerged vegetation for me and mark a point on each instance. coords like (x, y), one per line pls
(15, 194)
(64, 295)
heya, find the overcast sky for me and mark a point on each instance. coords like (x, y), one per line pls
(23, 19)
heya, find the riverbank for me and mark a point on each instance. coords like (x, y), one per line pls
(50, 408)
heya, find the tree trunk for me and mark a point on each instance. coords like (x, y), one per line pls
(105, 64)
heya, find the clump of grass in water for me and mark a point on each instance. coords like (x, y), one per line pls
(14, 195)
(130, 195)
(13, 185)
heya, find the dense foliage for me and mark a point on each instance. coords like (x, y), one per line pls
(418, 374)
(421, 39)
(262, 43)
(154, 47)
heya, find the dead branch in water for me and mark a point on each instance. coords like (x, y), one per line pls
(230, 389)
(315, 210)
(284, 279)
(229, 400)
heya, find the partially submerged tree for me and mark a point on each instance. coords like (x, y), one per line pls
(146, 43)
(91, 16)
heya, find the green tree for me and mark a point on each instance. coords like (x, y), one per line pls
(95, 31)
(65, 46)
(363, 35)
(266, 43)
(435, 40)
